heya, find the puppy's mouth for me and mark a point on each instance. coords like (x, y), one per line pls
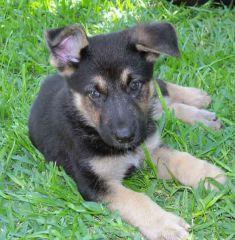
(131, 145)
(125, 146)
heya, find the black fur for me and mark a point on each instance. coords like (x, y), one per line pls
(163, 87)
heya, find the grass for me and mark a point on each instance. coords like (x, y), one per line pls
(39, 201)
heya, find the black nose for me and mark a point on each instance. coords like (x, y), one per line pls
(124, 135)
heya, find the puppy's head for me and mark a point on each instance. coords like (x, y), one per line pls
(110, 76)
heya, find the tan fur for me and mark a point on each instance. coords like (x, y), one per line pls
(190, 96)
(65, 70)
(145, 99)
(124, 76)
(101, 83)
(151, 89)
(192, 115)
(151, 57)
(140, 211)
(115, 167)
(188, 113)
(151, 54)
(143, 48)
(184, 167)
(89, 112)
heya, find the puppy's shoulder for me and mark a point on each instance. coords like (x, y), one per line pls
(52, 83)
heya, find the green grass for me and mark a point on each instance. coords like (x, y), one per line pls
(37, 200)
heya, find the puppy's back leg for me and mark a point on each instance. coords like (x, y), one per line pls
(187, 95)
(186, 103)
(184, 167)
(192, 115)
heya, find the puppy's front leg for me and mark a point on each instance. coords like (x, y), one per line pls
(140, 211)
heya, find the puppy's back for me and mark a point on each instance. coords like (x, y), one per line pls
(44, 110)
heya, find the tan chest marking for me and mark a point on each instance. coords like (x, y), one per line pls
(115, 167)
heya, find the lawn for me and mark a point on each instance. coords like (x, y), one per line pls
(38, 200)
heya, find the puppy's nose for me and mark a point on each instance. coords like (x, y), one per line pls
(124, 135)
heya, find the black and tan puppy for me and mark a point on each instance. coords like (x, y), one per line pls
(93, 117)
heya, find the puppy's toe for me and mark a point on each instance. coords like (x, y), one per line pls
(198, 98)
(215, 173)
(203, 171)
(176, 229)
(192, 115)
(215, 125)
(208, 118)
(184, 224)
(168, 227)
(203, 114)
(203, 99)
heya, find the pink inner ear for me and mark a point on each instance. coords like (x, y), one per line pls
(67, 51)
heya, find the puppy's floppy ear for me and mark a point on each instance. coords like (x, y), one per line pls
(155, 39)
(65, 45)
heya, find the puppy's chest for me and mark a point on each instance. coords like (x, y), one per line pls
(115, 167)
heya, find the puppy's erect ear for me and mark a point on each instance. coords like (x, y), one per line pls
(155, 39)
(65, 45)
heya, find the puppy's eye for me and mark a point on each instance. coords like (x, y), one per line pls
(135, 86)
(94, 94)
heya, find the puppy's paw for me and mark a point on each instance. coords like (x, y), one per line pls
(201, 170)
(207, 118)
(167, 227)
(197, 98)
(192, 115)
(214, 172)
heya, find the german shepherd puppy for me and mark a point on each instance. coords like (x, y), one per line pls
(93, 117)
